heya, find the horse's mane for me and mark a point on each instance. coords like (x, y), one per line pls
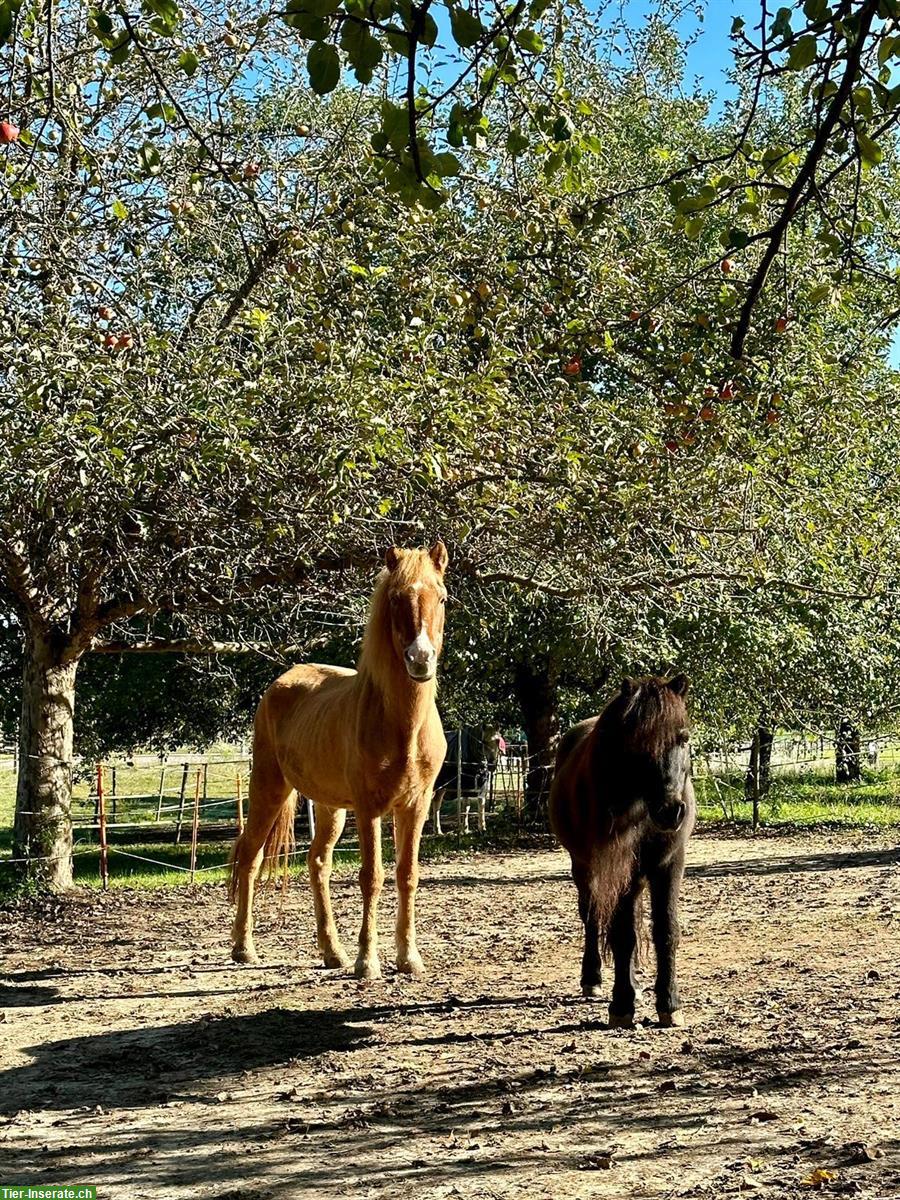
(377, 656)
(647, 715)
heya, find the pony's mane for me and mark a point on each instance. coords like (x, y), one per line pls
(648, 715)
(377, 656)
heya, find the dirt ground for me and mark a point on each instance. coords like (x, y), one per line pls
(134, 1056)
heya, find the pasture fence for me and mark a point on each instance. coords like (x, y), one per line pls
(143, 807)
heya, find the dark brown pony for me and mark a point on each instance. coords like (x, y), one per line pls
(622, 804)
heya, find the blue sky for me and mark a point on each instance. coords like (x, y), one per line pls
(709, 56)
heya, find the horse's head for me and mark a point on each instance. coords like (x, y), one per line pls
(657, 746)
(416, 598)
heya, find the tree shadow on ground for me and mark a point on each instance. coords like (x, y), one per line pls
(377, 1131)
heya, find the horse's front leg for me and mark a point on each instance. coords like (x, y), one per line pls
(665, 888)
(590, 961)
(371, 881)
(623, 943)
(408, 824)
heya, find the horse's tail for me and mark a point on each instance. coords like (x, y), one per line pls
(278, 848)
(612, 876)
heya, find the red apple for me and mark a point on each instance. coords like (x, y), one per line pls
(771, 416)
(251, 170)
(726, 392)
(110, 341)
(707, 413)
(634, 315)
(8, 133)
(726, 266)
(572, 367)
(709, 392)
(781, 324)
(671, 445)
(125, 341)
(104, 313)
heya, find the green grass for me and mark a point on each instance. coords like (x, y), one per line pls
(795, 801)
(804, 801)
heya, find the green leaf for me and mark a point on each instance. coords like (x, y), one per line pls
(119, 211)
(364, 51)
(446, 165)
(189, 62)
(516, 142)
(162, 112)
(167, 13)
(781, 26)
(803, 53)
(563, 128)
(149, 159)
(737, 238)
(870, 151)
(8, 10)
(324, 66)
(530, 40)
(466, 27)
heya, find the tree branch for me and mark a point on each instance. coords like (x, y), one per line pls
(805, 176)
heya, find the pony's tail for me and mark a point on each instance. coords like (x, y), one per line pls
(277, 851)
(611, 876)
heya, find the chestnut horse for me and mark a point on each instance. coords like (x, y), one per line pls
(368, 739)
(622, 804)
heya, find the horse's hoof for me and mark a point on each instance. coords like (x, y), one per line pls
(672, 1020)
(591, 991)
(367, 968)
(244, 954)
(411, 965)
(621, 1020)
(336, 961)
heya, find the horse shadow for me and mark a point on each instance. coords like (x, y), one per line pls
(135, 1068)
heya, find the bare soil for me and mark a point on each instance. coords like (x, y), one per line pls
(134, 1056)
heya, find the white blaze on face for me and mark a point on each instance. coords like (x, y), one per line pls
(421, 656)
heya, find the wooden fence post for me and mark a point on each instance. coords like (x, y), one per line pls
(101, 814)
(184, 779)
(195, 824)
(162, 789)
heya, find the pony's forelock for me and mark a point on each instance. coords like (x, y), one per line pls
(649, 714)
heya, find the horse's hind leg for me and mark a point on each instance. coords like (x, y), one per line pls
(269, 792)
(623, 943)
(590, 962)
(665, 886)
(329, 826)
(436, 801)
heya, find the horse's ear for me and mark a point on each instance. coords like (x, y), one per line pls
(628, 686)
(679, 685)
(392, 558)
(439, 556)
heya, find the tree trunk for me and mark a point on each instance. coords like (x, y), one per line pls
(43, 823)
(759, 772)
(536, 691)
(847, 758)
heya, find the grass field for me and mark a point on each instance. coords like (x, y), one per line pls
(794, 802)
